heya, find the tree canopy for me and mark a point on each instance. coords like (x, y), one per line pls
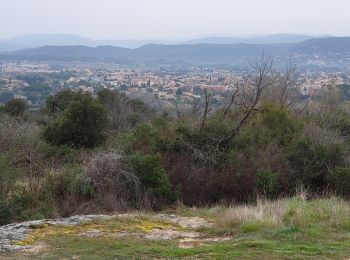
(82, 124)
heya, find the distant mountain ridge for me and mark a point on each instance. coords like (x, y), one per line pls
(266, 39)
(330, 44)
(154, 53)
(39, 40)
(325, 52)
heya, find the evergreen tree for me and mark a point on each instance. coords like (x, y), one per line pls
(82, 124)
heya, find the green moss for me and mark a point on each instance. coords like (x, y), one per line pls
(107, 228)
(148, 226)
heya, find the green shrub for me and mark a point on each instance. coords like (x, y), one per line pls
(311, 162)
(62, 154)
(341, 122)
(275, 124)
(60, 101)
(279, 123)
(134, 119)
(145, 138)
(16, 107)
(5, 212)
(267, 182)
(153, 177)
(8, 176)
(82, 124)
(339, 179)
(68, 182)
(26, 204)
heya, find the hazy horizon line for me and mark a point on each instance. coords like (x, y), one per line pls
(223, 35)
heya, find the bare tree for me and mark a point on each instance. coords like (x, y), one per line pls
(119, 110)
(178, 112)
(246, 96)
(256, 81)
(207, 97)
(195, 106)
(236, 89)
(286, 88)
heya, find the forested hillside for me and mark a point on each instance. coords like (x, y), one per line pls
(87, 154)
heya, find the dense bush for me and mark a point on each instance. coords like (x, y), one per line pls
(8, 175)
(311, 162)
(28, 204)
(339, 179)
(68, 182)
(115, 185)
(267, 182)
(58, 155)
(145, 138)
(153, 178)
(60, 101)
(83, 124)
(67, 189)
(5, 212)
(16, 107)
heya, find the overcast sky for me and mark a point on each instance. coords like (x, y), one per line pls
(173, 19)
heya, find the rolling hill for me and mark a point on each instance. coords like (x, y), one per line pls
(331, 52)
(39, 40)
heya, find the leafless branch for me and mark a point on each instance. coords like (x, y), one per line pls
(235, 93)
(256, 82)
(207, 97)
(178, 113)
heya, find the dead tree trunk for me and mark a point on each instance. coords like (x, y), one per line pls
(207, 97)
(232, 99)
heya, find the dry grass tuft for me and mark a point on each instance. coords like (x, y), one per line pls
(298, 211)
(253, 217)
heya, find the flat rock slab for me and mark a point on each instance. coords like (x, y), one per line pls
(19, 231)
(12, 233)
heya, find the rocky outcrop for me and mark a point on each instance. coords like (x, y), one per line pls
(185, 230)
(12, 233)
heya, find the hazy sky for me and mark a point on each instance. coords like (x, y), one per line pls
(146, 19)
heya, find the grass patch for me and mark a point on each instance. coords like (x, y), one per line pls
(296, 212)
(242, 248)
(210, 213)
(282, 229)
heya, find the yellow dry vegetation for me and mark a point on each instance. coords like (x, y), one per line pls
(104, 227)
